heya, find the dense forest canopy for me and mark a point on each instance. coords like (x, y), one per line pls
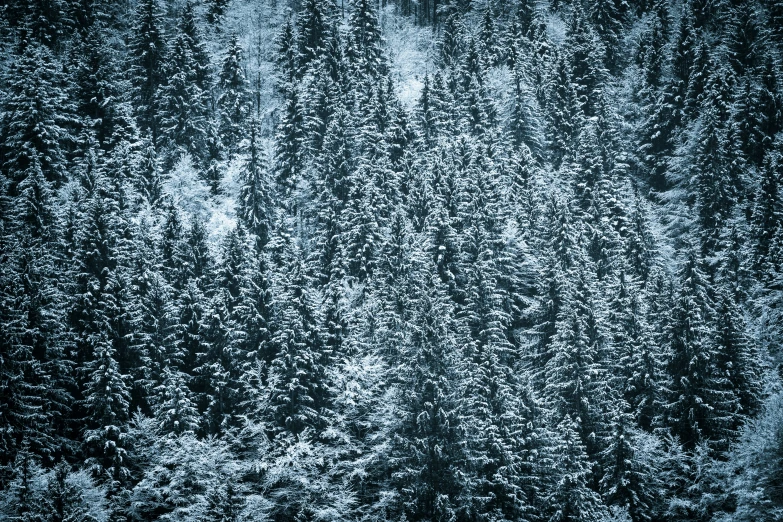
(407, 260)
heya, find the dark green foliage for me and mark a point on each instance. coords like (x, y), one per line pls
(35, 114)
(377, 271)
(147, 50)
(234, 100)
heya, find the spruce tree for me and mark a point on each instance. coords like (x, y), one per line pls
(147, 50)
(34, 119)
(174, 409)
(255, 207)
(364, 47)
(234, 100)
(106, 402)
(427, 449)
(300, 392)
(181, 102)
(698, 407)
(585, 54)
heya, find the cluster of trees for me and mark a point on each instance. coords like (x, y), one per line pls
(549, 289)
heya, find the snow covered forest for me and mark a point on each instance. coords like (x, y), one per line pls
(394, 260)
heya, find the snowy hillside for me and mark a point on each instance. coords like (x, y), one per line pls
(432, 260)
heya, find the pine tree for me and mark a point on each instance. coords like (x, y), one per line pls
(172, 249)
(34, 119)
(155, 329)
(608, 23)
(575, 370)
(106, 402)
(188, 26)
(585, 54)
(300, 390)
(234, 100)
(756, 116)
(149, 181)
(362, 230)
(427, 450)
(746, 40)
(287, 54)
(565, 112)
(767, 212)
(289, 143)
(181, 102)
(571, 499)
(487, 38)
(198, 260)
(225, 504)
(35, 372)
(174, 408)
(736, 361)
(64, 499)
(47, 22)
(314, 29)
(147, 50)
(491, 406)
(661, 103)
(365, 42)
(630, 480)
(216, 389)
(101, 96)
(697, 407)
(216, 10)
(714, 178)
(255, 205)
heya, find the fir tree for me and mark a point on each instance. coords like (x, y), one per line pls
(427, 449)
(181, 102)
(698, 408)
(147, 49)
(34, 116)
(255, 206)
(300, 391)
(234, 101)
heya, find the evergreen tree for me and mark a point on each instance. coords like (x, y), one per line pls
(736, 362)
(147, 50)
(64, 500)
(234, 100)
(630, 480)
(47, 21)
(698, 407)
(746, 39)
(34, 116)
(364, 47)
(314, 29)
(289, 143)
(106, 401)
(564, 112)
(181, 102)
(225, 505)
(427, 449)
(716, 184)
(149, 181)
(174, 410)
(574, 373)
(572, 499)
(300, 390)
(585, 54)
(608, 23)
(101, 95)
(767, 212)
(255, 206)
